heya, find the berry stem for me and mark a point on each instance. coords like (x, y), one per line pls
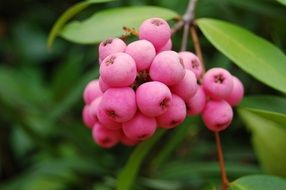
(224, 178)
(197, 45)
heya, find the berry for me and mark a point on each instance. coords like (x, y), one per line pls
(118, 70)
(155, 30)
(167, 68)
(106, 121)
(143, 52)
(217, 115)
(217, 83)
(175, 114)
(110, 46)
(192, 62)
(104, 137)
(140, 127)
(91, 91)
(187, 87)
(102, 85)
(127, 141)
(153, 98)
(166, 47)
(87, 118)
(94, 107)
(196, 104)
(119, 104)
(237, 92)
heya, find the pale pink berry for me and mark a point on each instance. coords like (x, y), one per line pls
(110, 46)
(166, 47)
(104, 137)
(175, 114)
(127, 141)
(187, 87)
(217, 115)
(237, 92)
(167, 68)
(140, 127)
(102, 85)
(196, 104)
(91, 91)
(191, 62)
(153, 98)
(94, 107)
(87, 118)
(118, 70)
(143, 52)
(155, 30)
(119, 104)
(217, 83)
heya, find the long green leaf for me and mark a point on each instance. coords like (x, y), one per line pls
(258, 182)
(251, 53)
(109, 23)
(67, 15)
(128, 174)
(282, 1)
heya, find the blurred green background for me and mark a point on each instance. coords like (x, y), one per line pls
(45, 146)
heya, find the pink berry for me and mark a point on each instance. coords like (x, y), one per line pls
(167, 68)
(217, 83)
(110, 46)
(140, 127)
(94, 107)
(106, 121)
(237, 92)
(87, 118)
(119, 104)
(127, 141)
(118, 70)
(102, 85)
(153, 98)
(196, 104)
(217, 115)
(166, 47)
(143, 52)
(192, 62)
(175, 114)
(104, 137)
(155, 30)
(91, 91)
(187, 87)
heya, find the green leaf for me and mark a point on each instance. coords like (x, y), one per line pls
(282, 1)
(258, 182)
(251, 53)
(67, 15)
(268, 137)
(270, 107)
(127, 176)
(109, 23)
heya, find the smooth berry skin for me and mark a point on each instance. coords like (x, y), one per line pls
(192, 62)
(110, 46)
(106, 121)
(87, 118)
(140, 127)
(175, 115)
(102, 85)
(237, 92)
(91, 91)
(187, 87)
(155, 30)
(143, 52)
(217, 115)
(167, 68)
(166, 47)
(119, 104)
(196, 104)
(118, 70)
(217, 83)
(104, 137)
(94, 107)
(153, 98)
(127, 141)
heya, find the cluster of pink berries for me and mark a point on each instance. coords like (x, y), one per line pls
(144, 85)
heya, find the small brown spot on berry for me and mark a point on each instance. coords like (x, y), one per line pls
(164, 104)
(157, 22)
(219, 78)
(182, 62)
(108, 41)
(110, 61)
(195, 64)
(111, 113)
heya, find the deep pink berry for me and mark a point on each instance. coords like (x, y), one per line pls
(110, 46)
(87, 118)
(217, 115)
(196, 104)
(106, 121)
(153, 98)
(140, 127)
(94, 107)
(91, 91)
(104, 137)
(118, 70)
(217, 83)
(191, 62)
(237, 92)
(127, 141)
(102, 85)
(166, 47)
(175, 114)
(167, 68)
